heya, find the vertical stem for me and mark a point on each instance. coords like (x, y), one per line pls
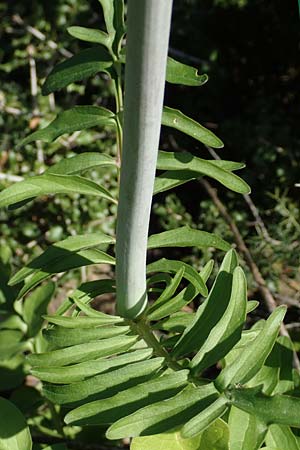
(148, 28)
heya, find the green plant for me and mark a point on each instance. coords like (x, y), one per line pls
(144, 372)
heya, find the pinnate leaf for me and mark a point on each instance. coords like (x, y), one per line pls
(36, 306)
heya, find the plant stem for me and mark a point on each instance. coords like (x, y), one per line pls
(142, 328)
(146, 56)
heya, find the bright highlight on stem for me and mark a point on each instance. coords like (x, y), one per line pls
(148, 29)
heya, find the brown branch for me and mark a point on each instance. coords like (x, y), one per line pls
(241, 245)
(260, 223)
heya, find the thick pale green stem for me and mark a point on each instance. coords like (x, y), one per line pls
(148, 28)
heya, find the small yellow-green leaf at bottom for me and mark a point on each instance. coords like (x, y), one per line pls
(165, 441)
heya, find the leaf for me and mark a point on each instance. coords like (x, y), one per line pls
(165, 441)
(50, 184)
(186, 161)
(90, 35)
(166, 305)
(176, 119)
(215, 437)
(36, 306)
(247, 432)
(280, 409)
(179, 73)
(252, 305)
(80, 163)
(187, 237)
(74, 119)
(126, 402)
(210, 311)
(167, 265)
(83, 65)
(11, 372)
(254, 355)
(173, 178)
(72, 261)
(61, 337)
(205, 418)
(176, 323)
(60, 250)
(81, 371)
(11, 343)
(103, 385)
(84, 321)
(14, 432)
(113, 11)
(227, 331)
(82, 352)
(281, 436)
(164, 415)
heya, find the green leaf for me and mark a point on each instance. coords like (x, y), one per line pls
(184, 160)
(84, 321)
(254, 355)
(227, 331)
(215, 437)
(82, 352)
(104, 385)
(74, 119)
(281, 436)
(179, 73)
(165, 441)
(50, 184)
(126, 402)
(80, 163)
(164, 415)
(61, 337)
(210, 311)
(176, 323)
(72, 261)
(60, 250)
(83, 65)
(176, 119)
(279, 409)
(90, 35)
(81, 371)
(166, 305)
(252, 305)
(173, 178)
(205, 418)
(14, 432)
(113, 11)
(167, 265)
(187, 237)
(11, 343)
(247, 432)
(36, 306)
